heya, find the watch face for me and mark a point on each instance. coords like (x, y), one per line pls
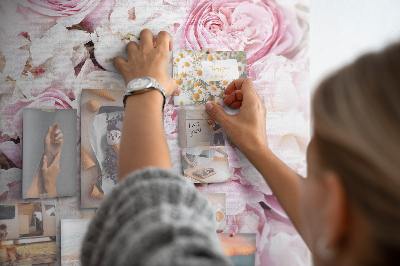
(140, 83)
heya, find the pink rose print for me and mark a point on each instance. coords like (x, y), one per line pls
(257, 27)
(66, 13)
(98, 15)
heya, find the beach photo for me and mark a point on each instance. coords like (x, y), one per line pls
(240, 248)
(72, 233)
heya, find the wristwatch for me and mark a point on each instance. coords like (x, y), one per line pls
(142, 85)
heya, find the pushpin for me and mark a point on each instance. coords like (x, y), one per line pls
(232, 234)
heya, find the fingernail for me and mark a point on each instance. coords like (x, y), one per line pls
(179, 89)
(209, 106)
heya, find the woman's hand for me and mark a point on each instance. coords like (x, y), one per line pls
(246, 129)
(53, 143)
(50, 174)
(150, 59)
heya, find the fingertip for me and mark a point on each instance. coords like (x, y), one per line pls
(229, 99)
(209, 106)
(118, 61)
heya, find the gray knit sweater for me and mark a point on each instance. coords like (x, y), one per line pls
(153, 217)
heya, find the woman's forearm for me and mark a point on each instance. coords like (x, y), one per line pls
(185, 158)
(143, 142)
(283, 181)
(37, 187)
(250, 121)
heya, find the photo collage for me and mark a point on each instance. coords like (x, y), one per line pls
(50, 137)
(203, 76)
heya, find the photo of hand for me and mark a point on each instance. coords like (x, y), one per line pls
(44, 182)
(53, 142)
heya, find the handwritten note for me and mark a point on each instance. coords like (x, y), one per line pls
(219, 70)
(194, 128)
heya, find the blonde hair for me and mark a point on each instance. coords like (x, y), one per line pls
(357, 134)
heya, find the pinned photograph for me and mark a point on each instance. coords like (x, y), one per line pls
(239, 248)
(27, 234)
(208, 165)
(101, 127)
(218, 201)
(72, 234)
(203, 75)
(49, 153)
(198, 128)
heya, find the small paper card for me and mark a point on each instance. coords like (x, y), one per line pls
(198, 129)
(206, 165)
(218, 201)
(204, 76)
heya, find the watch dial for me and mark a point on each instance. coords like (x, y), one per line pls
(141, 83)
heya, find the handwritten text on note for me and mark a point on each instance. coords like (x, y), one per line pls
(219, 70)
(194, 128)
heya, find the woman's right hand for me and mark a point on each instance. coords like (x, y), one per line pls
(247, 128)
(50, 174)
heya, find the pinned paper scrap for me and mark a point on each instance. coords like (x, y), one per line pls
(46, 108)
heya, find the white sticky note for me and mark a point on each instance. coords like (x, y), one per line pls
(219, 70)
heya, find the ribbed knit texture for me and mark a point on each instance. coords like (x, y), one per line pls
(153, 217)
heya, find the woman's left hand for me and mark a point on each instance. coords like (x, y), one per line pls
(150, 59)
